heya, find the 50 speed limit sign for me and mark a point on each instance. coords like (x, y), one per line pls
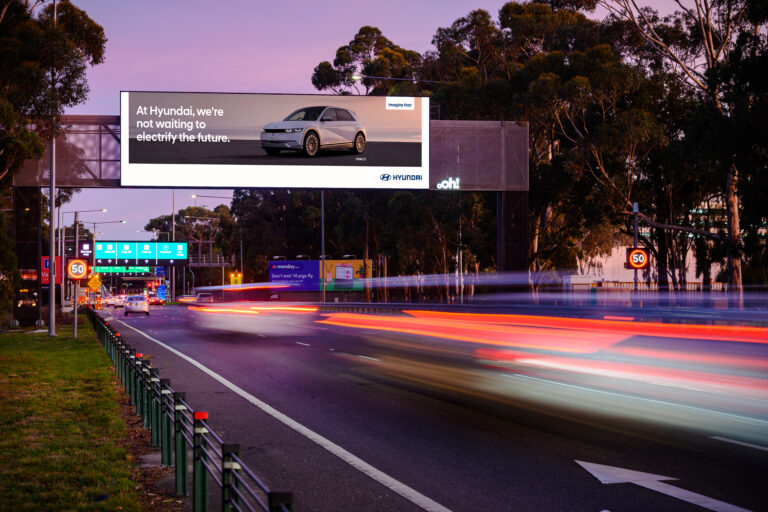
(77, 269)
(637, 258)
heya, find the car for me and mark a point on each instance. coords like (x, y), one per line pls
(312, 129)
(154, 300)
(136, 304)
(204, 297)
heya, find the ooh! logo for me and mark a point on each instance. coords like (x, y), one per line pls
(385, 177)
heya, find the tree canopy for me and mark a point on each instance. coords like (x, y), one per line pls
(42, 72)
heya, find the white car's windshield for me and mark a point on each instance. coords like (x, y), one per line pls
(305, 114)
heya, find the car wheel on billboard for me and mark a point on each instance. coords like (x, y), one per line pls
(311, 144)
(272, 151)
(359, 145)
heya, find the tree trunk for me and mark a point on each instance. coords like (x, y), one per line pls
(733, 242)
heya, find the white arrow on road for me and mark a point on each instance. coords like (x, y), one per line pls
(614, 475)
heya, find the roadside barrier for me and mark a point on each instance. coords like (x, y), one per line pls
(176, 428)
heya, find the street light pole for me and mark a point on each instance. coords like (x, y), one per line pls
(52, 270)
(173, 238)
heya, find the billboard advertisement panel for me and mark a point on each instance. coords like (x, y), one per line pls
(344, 275)
(304, 275)
(228, 140)
(132, 253)
(301, 275)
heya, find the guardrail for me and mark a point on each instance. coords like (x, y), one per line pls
(176, 428)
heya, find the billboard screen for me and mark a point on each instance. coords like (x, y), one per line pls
(304, 275)
(133, 253)
(274, 140)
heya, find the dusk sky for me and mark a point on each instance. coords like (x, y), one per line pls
(233, 46)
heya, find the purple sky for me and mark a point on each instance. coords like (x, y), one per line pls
(232, 46)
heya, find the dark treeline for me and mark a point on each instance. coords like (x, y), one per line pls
(666, 111)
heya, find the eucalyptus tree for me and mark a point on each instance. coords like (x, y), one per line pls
(694, 43)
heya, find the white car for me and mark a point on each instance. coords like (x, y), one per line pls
(311, 129)
(136, 304)
(258, 318)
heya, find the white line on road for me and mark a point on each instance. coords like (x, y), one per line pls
(369, 358)
(400, 488)
(305, 344)
(742, 443)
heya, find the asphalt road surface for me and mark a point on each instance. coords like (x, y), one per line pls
(240, 152)
(346, 438)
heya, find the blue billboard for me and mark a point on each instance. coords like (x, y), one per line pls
(301, 275)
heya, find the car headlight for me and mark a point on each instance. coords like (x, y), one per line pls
(294, 130)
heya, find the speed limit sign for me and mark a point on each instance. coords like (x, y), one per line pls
(77, 269)
(637, 258)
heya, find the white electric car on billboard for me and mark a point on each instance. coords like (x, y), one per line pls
(311, 129)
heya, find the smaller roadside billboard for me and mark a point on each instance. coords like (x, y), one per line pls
(304, 275)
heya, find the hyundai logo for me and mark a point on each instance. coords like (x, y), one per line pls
(385, 177)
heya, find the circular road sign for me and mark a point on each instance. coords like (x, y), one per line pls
(77, 269)
(637, 258)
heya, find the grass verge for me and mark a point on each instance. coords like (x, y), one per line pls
(61, 437)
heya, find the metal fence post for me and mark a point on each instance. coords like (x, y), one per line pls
(132, 375)
(277, 501)
(154, 407)
(146, 393)
(199, 475)
(229, 500)
(138, 382)
(165, 423)
(180, 444)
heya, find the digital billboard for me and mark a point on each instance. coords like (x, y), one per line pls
(305, 275)
(230, 140)
(133, 253)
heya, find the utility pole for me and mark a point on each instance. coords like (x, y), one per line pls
(52, 270)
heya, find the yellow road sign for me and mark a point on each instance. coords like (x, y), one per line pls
(94, 283)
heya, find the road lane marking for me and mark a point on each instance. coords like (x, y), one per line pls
(369, 358)
(742, 443)
(400, 488)
(615, 475)
(305, 344)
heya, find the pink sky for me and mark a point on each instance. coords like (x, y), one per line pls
(232, 46)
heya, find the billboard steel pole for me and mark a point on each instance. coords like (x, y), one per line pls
(322, 242)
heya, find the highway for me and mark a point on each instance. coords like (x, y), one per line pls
(350, 415)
